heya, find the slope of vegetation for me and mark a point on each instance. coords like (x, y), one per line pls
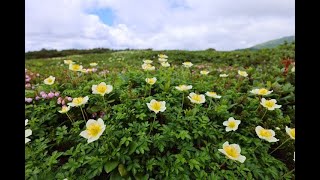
(120, 133)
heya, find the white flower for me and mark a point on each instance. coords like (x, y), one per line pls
(232, 151)
(162, 56)
(165, 64)
(294, 156)
(50, 80)
(64, 109)
(94, 130)
(269, 104)
(28, 133)
(204, 72)
(101, 89)
(223, 75)
(157, 106)
(75, 67)
(183, 87)
(151, 81)
(187, 64)
(261, 91)
(213, 94)
(26, 122)
(291, 132)
(148, 67)
(293, 69)
(68, 62)
(232, 124)
(147, 61)
(197, 98)
(162, 60)
(93, 64)
(266, 134)
(242, 73)
(78, 101)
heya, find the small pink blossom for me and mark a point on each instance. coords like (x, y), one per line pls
(28, 85)
(29, 100)
(69, 98)
(51, 95)
(56, 94)
(42, 92)
(44, 96)
(63, 102)
(37, 98)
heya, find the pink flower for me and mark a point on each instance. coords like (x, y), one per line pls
(29, 100)
(56, 94)
(69, 98)
(37, 98)
(63, 102)
(42, 92)
(28, 85)
(51, 95)
(44, 95)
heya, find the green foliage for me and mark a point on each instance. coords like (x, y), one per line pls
(180, 143)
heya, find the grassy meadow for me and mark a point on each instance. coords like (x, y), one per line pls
(116, 115)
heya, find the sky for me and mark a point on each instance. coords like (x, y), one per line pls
(158, 24)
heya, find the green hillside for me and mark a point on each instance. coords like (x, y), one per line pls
(274, 43)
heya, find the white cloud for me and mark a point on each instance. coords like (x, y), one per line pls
(157, 24)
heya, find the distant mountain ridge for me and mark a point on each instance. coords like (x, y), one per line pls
(273, 43)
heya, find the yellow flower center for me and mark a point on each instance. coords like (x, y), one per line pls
(212, 93)
(77, 101)
(76, 67)
(232, 124)
(156, 106)
(269, 104)
(50, 80)
(64, 109)
(197, 98)
(93, 130)
(231, 151)
(101, 88)
(265, 133)
(293, 132)
(263, 91)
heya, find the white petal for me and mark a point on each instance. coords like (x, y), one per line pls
(222, 150)
(231, 118)
(27, 140)
(90, 121)
(241, 158)
(277, 106)
(26, 122)
(273, 139)
(237, 122)
(225, 144)
(28, 132)
(71, 104)
(237, 147)
(94, 88)
(225, 123)
(228, 129)
(84, 134)
(100, 122)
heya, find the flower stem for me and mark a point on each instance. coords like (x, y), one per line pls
(82, 113)
(264, 114)
(152, 124)
(70, 118)
(280, 146)
(104, 102)
(288, 172)
(150, 90)
(182, 100)
(210, 102)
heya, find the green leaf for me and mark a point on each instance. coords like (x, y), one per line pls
(122, 170)
(110, 165)
(115, 176)
(132, 147)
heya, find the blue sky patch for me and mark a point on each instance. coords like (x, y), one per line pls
(106, 15)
